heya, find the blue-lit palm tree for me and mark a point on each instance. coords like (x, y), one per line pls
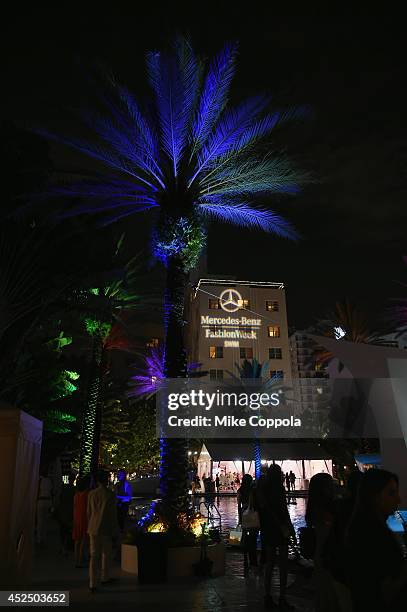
(254, 370)
(191, 157)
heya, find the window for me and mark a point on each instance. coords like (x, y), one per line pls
(272, 305)
(214, 303)
(152, 343)
(216, 374)
(273, 331)
(244, 304)
(319, 367)
(276, 374)
(275, 353)
(246, 353)
(216, 352)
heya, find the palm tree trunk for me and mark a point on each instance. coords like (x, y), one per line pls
(173, 452)
(103, 369)
(90, 418)
(257, 458)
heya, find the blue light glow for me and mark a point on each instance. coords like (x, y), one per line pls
(148, 378)
(192, 154)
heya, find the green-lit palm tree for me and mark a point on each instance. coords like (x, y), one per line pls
(102, 309)
(191, 157)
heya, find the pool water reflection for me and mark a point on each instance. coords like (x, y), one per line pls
(227, 507)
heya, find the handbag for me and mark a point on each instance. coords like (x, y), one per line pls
(307, 540)
(250, 516)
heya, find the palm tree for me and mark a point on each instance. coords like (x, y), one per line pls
(254, 370)
(346, 322)
(148, 377)
(102, 308)
(250, 371)
(23, 256)
(192, 158)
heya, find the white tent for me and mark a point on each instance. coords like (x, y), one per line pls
(384, 374)
(20, 449)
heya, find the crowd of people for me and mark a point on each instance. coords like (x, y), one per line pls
(90, 516)
(358, 563)
(229, 482)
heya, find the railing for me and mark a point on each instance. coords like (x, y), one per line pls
(213, 516)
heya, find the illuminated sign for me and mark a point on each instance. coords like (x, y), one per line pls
(230, 329)
(230, 300)
(230, 321)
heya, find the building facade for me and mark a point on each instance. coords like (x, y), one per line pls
(231, 320)
(310, 378)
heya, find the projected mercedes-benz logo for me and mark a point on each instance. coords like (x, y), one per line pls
(230, 300)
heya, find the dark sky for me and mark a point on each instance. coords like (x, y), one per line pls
(349, 69)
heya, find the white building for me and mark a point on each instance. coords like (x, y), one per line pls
(310, 378)
(231, 320)
(394, 340)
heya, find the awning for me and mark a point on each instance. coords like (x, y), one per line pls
(277, 451)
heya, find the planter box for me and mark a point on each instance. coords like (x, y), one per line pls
(129, 559)
(180, 560)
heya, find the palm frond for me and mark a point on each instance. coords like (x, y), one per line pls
(214, 95)
(237, 132)
(174, 81)
(197, 149)
(123, 112)
(20, 271)
(104, 197)
(127, 142)
(244, 215)
(135, 120)
(234, 126)
(271, 174)
(107, 155)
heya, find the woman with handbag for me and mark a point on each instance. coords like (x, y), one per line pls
(277, 530)
(249, 520)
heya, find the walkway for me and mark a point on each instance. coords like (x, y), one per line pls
(232, 592)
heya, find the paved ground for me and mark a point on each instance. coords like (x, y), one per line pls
(234, 591)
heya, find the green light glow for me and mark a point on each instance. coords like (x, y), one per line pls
(97, 328)
(72, 375)
(63, 385)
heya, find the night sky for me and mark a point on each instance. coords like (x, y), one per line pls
(348, 70)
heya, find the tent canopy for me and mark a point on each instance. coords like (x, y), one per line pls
(233, 450)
